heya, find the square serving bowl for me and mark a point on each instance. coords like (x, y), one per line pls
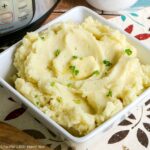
(76, 14)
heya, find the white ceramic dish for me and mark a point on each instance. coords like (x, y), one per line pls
(76, 14)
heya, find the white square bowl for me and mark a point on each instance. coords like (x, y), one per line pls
(77, 14)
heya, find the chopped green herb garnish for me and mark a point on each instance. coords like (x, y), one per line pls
(37, 103)
(74, 57)
(128, 51)
(74, 70)
(52, 83)
(57, 52)
(106, 73)
(69, 84)
(77, 101)
(52, 107)
(107, 63)
(42, 37)
(36, 96)
(109, 94)
(20, 44)
(96, 72)
(59, 99)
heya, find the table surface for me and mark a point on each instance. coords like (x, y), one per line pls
(10, 135)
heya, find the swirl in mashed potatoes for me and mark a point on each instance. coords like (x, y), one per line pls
(79, 75)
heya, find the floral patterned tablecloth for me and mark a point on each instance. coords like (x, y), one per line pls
(133, 133)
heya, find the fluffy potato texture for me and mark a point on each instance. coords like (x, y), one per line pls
(79, 75)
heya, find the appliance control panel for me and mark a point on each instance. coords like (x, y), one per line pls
(15, 14)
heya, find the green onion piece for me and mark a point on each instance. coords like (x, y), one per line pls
(74, 70)
(96, 72)
(109, 94)
(37, 103)
(69, 84)
(59, 99)
(20, 44)
(77, 101)
(107, 63)
(52, 83)
(42, 37)
(106, 73)
(36, 96)
(128, 52)
(74, 57)
(57, 52)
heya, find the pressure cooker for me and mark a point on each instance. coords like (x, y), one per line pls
(20, 16)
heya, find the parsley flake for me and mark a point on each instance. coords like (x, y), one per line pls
(52, 83)
(109, 94)
(69, 84)
(107, 63)
(36, 96)
(96, 72)
(37, 103)
(74, 70)
(57, 52)
(42, 37)
(59, 99)
(74, 57)
(128, 52)
(77, 101)
(20, 44)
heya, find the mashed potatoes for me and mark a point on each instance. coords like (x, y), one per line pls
(79, 75)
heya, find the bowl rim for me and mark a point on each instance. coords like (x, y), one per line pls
(60, 129)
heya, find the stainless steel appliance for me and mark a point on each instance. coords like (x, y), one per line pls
(19, 16)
